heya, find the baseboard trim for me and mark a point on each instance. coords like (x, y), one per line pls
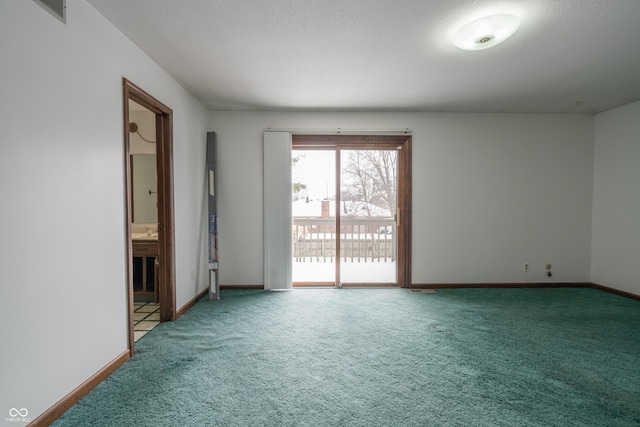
(191, 303)
(241, 287)
(56, 411)
(423, 285)
(499, 285)
(615, 291)
(526, 285)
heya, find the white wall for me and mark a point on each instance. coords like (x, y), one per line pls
(490, 191)
(616, 199)
(62, 250)
(146, 121)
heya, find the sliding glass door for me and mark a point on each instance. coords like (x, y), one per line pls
(368, 204)
(314, 217)
(346, 208)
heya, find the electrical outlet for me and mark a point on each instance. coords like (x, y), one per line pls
(525, 267)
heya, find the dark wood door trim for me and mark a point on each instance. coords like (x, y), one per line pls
(166, 236)
(364, 142)
(405, 216)
(338, 163)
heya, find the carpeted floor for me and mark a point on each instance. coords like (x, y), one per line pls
(382, 357)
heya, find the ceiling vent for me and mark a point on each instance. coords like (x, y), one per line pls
(57, 8)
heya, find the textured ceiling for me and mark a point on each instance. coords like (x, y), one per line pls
(569, 56)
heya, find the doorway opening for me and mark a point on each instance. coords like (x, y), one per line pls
(351, 210)
(149, 206)
(144, 219)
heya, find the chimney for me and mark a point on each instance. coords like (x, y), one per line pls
(325, 209)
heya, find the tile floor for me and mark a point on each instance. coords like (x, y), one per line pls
(146, 316)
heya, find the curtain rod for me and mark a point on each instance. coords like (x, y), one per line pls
(341, 131)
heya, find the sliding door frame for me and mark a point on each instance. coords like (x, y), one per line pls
(402, 143)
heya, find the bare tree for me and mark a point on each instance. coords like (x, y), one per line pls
(370, 179)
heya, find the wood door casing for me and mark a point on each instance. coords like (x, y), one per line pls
(166, 238)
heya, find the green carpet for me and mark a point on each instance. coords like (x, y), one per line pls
(382, 357)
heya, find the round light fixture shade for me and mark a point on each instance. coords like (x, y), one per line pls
(486, 32)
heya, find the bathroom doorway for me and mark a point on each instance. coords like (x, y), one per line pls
(148, 141)
(144, 219)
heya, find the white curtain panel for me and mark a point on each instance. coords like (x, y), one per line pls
(277, 211)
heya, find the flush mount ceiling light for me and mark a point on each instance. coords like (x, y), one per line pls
(486, 32)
